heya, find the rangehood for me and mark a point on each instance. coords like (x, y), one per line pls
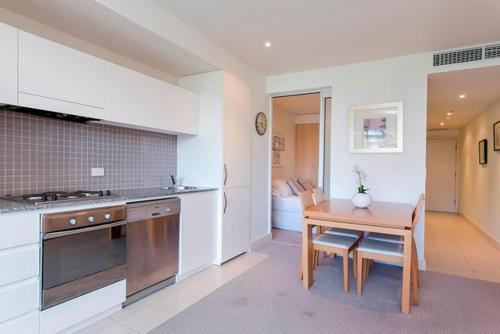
(47, 113)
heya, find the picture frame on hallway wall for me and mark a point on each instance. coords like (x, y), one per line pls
(496, 136)
(483, 152)
(278, 150)
(376, 128)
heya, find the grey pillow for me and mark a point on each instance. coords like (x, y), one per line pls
(295, 186)
(305, 184)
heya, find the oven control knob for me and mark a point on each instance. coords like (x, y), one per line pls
(90, 219)
(72, 221)
(107, 216)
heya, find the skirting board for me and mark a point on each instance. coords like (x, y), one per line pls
(262, 240)
(485, 234)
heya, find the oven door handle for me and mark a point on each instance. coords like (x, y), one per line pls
(53, 235)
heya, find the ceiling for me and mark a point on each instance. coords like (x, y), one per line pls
(321, 33)
(481, 87)
(96, 24)
(298, 104)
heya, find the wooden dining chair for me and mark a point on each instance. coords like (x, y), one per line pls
(332, 244)
(390, 251)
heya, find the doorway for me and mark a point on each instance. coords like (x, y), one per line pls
(298, 148)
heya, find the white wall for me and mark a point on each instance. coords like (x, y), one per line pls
(284, 125)
(479, 185)
(398, 177)
(307, 119)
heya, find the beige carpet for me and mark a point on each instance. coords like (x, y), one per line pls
(270, 299)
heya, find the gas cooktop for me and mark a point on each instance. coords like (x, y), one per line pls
(60, 196)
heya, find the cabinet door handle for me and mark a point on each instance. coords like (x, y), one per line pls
(225, 202)
(225, 174)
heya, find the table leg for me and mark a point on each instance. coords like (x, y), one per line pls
(307, 255)
(405, 299)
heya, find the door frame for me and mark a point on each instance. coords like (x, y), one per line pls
(447, 137)
(324, 92)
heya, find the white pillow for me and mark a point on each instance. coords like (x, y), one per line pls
(305, 184)
(281, 189)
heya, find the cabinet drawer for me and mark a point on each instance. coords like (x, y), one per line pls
(19, 298)
(22, 261)
(19, 229)
(27, 324)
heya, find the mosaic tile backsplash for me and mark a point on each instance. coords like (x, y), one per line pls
(40, 154)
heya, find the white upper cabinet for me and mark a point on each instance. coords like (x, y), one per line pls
(8, 64)
(132, 98)
(237, 101)
(58, 78)
(137, 99)
(181, 109)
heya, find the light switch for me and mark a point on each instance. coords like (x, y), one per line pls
(97, 172)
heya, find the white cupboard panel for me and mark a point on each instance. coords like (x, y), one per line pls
(235, 234)
(180, 110)
(8, 64)
(22, 263)
(133, 98)
(26, 324)
(26, 226)
(237, 125)
(17, 299)
(52, 70)
(198, 243)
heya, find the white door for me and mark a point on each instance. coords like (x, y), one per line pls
(441, 175)
(235, 222)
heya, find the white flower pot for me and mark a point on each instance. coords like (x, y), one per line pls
(361, 200)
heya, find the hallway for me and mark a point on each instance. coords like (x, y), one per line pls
(454, 246)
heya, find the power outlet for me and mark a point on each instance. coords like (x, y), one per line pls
(97, 171)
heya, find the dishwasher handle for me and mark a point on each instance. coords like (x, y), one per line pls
(162, 213)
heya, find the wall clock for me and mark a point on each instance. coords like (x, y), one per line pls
(261, 123)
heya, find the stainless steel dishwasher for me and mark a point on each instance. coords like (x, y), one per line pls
(152, 246)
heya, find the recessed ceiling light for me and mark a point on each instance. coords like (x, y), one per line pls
(267, 44)
(462, 96)
(441, 124)
(449, 113)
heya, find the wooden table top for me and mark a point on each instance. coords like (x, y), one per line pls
(387, 214)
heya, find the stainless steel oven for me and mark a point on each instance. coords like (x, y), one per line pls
(82, 251)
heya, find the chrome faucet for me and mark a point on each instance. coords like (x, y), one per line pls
(174, 183)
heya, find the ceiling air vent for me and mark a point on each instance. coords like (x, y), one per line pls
(458, 56)
(492, 51)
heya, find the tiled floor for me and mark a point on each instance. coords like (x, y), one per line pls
(150, 312)
(454, 246)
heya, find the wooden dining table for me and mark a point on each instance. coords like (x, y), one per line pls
(381, 217)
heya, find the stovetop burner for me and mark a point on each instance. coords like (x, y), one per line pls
(59, 196)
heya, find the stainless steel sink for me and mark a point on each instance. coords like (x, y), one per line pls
(178, 188)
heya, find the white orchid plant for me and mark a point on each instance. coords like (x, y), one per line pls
(361, 176)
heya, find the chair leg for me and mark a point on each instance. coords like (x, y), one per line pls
(415, 262)
(414, 283)
(365, 269)
(345, 260)
(354, 263)
(359, 278)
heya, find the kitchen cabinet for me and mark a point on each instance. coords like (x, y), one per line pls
(223, 146)
(17, 299)
(8, 64)
(28, 323)
(139, 100)
(235, 228)
(58, 78)
(198, 242)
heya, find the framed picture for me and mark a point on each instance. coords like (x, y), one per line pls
(376, 128)
(279, 148)
(496, 136)
(483, 152)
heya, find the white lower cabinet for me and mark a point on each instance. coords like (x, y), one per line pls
(22, 261)
(17, 299)
(198, 243)
(26, 324)
(235, 229)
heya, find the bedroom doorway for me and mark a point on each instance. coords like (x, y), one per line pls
(299, 145)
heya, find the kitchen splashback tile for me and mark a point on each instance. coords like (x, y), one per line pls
(42, 154)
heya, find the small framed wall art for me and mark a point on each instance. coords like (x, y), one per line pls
(278, 150)
(496, 136)
(483, 152)
(376, 128)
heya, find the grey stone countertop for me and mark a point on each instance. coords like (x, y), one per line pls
(122, 195)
